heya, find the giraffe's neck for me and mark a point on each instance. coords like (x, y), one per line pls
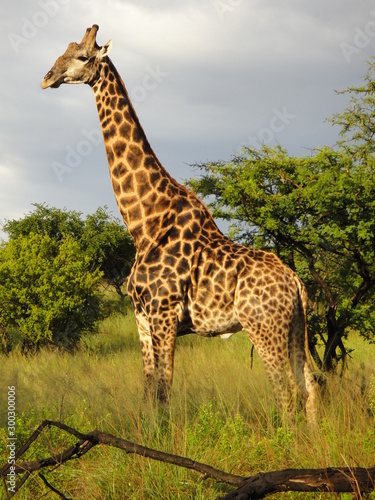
(147, 196)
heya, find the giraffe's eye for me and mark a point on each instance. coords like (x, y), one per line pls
(83, 58)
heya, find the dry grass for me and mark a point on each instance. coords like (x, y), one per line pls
(222, 413)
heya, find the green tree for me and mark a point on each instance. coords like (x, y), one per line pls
(318, 214)
(104, 238)
(47, 291)
(50, 271)
(109, 246)
(46, 220)
(357, 122)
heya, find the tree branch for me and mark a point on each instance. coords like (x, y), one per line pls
(91, 439)
(52, 488)
(357, 480)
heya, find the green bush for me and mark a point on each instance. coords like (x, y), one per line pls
(102, 237)
(48, 291)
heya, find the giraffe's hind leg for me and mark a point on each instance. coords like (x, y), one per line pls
(306, 383)
(290, 375)
(311, 402)
(301, 365)
(279, 373)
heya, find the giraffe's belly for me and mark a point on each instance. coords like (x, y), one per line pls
(209, 308)
(209, 321)
(223, 329)
(215, 327)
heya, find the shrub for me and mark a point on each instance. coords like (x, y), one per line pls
(47, 291)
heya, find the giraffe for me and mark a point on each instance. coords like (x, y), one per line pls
(188, 277)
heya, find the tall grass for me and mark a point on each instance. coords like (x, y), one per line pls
(222, 412)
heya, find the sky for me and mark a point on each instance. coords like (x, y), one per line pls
(205, 77)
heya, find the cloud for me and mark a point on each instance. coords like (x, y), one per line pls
(225, 66)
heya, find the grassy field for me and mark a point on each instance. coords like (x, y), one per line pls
(222, 413)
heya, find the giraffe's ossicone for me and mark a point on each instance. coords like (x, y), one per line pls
(188, 277)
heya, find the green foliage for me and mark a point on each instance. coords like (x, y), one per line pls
(103, 238)
(109, 246)
(50, 272)
(318, 214)
(47, 290)
(214, 430)
(54, 222)
(357, 122)
(372, 394)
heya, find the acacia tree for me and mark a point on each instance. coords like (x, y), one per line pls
(318, 214)
(357, 122)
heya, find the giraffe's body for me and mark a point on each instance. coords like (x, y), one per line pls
(188, 277)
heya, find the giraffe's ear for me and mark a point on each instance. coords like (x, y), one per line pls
(106, 49)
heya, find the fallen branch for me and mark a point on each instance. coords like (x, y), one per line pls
(356, 480)
(52, 488)
(91, 439)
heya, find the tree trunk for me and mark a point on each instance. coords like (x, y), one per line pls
(333, 341)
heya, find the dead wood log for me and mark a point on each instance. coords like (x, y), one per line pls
(355, 480)
(91, 439)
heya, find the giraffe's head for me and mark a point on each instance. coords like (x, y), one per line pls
(79, 63)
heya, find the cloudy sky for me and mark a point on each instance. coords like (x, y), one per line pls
(205, 76)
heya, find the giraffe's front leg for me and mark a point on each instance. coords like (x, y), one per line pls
(157, 339)
(147, 353)
(163, 335)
